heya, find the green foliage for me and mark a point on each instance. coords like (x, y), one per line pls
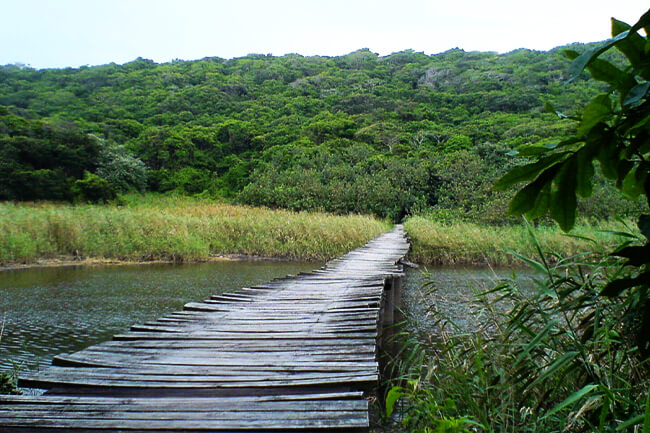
(353, 179)
(122, 170)
(93, 189)
(613, 131)
(244, 129)
(466, 179)
(422, 414)
(40, 160)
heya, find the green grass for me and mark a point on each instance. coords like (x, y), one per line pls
(174, 228)
(467, 243)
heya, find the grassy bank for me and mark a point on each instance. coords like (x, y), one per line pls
(178, 229)
(466, 243)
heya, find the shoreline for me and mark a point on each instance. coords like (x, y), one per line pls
(68, 261)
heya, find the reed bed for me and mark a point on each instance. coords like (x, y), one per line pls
(175, 229)
(557, 357)
(464, 243)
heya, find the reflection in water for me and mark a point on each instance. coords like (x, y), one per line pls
(450, 291)
(48, 311)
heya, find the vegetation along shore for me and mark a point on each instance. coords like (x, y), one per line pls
(175, 229)
(182, 229)
(466, 243)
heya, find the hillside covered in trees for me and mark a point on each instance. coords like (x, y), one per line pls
(392, 136)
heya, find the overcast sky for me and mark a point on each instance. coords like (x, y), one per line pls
(60, 33)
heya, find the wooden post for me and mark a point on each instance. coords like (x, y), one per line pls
(391, 316)
(389, 311)
(398, 316)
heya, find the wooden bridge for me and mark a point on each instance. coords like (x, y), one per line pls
(296, 354)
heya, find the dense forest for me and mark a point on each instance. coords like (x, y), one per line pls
(392, 136)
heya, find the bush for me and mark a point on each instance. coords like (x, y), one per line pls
(93, 189)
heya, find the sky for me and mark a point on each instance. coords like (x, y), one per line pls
(63, 33)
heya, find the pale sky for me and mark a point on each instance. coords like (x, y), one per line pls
(61, 33)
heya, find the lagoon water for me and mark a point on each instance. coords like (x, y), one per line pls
(47, 311)
(449, 292)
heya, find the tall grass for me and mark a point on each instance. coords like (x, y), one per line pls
(562, 358)
(178, 229)
(467, 243)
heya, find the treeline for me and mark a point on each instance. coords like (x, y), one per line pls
(395, 135)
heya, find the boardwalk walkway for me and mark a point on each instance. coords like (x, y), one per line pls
(294, 354)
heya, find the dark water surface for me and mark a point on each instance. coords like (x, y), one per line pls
(450, 292)
(47, 311)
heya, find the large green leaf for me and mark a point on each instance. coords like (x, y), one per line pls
(534, 198)
(608, 155)
(644, 225)
(542, 203)
(623, 168)
(616, 287)
(571, 54)
(632, 46)
(563, 196)
(528, 171)
(526, 197)
(588, 56)
(598, 110)
(636, 255)
(633, 182)
(602, 70)
(637, 93)
(393, 395)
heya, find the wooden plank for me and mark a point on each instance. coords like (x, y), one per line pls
(49, 399)
(280, 345)
(239, 336)
(105, 360)
(184, 425)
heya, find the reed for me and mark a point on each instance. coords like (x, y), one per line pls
(175, 229)
(465, 243)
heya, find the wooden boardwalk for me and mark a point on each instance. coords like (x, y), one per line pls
(296, 354)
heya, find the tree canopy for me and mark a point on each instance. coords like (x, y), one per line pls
(355, 133)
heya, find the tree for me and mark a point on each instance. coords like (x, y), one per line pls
(93, 188)
(122, 170)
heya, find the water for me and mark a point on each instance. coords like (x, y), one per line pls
(450, 291)
(47, 311)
